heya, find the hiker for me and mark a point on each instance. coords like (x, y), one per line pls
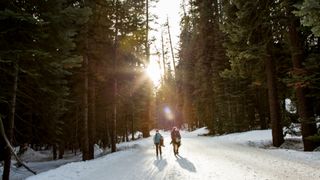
(175, 140)
(158, 142)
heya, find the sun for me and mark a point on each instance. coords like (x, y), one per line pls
(154, 72)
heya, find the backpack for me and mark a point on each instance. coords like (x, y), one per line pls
(161, 141)
(176, 136)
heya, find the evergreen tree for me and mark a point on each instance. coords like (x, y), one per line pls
(43, 42)
(249, 27)
(305, 109)
(309, 13)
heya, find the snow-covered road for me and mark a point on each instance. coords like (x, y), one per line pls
(200, 158)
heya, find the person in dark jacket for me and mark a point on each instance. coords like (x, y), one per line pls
(175, 140)
(157, 139)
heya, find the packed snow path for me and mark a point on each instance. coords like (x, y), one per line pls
(200, 158)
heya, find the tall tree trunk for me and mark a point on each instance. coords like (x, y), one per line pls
(277, 136)
(114, 121)
(75, 140)
(85, 145)
(147, 111)
(171, 47)
(7, 160)
(132, 126)
(85, 138)
(260, 105)
(251, 112)
(163, 59)
(108, 138)
(126, 130)
(305, 109)
(115, 84)
(92, 110)
(132, 115)
(147, 33)
(54, 151)
(61, 149)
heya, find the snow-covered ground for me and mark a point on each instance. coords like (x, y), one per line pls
(247, 155)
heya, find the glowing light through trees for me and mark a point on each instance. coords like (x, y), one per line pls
(154, 72)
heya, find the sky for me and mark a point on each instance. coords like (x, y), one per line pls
(171, 9)
(164, 9)
(243, 156)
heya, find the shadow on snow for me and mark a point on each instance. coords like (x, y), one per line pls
(186, 164)
(160, 163)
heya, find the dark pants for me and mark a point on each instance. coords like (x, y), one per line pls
(176, 146)
(158, 148)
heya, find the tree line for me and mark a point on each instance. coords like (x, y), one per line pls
(72, 74)
(240, 60)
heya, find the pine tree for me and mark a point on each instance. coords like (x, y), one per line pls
(305, 111)
(309, 13)
(46, 56)
(248, 26)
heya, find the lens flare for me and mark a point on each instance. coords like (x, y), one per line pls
(168, 113)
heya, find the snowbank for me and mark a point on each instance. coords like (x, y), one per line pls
(195, 133)
(97, 151)
(256, 138)
(31, 155)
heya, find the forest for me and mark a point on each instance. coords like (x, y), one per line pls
(73, 73)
